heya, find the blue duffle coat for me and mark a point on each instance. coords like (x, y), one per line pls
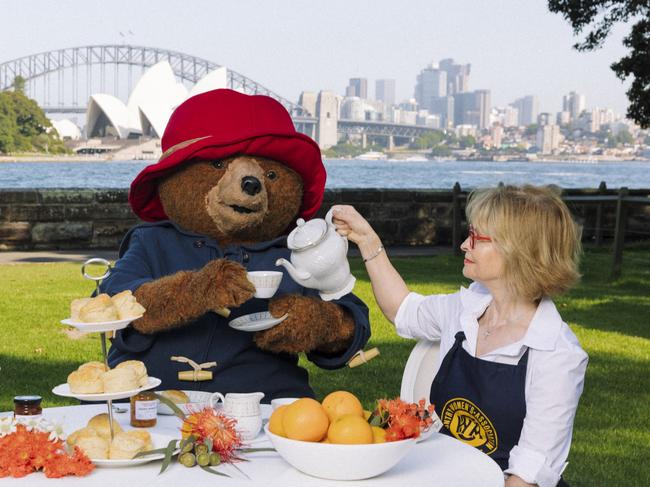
(154, 250)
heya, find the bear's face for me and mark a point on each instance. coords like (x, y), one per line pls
(242, 199)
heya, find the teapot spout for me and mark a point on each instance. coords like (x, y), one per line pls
(296, 275)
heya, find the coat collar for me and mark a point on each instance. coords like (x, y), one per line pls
(542, 333)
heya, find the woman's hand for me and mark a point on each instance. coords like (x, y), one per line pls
(349, 223)
(387, 285)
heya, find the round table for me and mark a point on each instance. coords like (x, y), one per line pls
(439, 460)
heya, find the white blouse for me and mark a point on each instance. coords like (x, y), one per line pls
(554, 377)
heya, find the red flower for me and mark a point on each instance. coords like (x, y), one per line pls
(23, 452)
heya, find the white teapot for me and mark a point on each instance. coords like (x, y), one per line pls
(319, 258)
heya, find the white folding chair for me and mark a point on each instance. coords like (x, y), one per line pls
(419, 372)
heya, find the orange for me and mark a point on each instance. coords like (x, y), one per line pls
(340, 403)
(350, 429)
(378, 434)
(275, 421)
(305, 420)
(366, 414)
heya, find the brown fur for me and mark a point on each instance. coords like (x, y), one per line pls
(198, 197)
(311, 324)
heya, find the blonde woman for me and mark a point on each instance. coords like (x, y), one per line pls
(511, 370)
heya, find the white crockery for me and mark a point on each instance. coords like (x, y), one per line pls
(340, 462)
(100, 326)
(256, 321)
(245, 408)
(266, 282)
(319, 258)
(197, 401)
(64, 390)
(282, 401)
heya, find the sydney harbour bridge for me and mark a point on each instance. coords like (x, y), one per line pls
(62, 80)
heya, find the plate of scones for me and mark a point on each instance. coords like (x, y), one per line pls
(95, 440)
(104, 312)
(93, 381)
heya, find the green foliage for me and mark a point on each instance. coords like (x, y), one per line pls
(441, 150)
(600, 16)
(467, 141)
(23, 125)
(19, 84)
(344, 150)
(531, 130)
(428, 140)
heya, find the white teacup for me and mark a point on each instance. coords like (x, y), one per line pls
(266, 282)
(282, 401)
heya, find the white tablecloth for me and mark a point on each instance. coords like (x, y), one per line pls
(438, 461)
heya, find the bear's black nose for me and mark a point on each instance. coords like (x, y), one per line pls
(251, 185)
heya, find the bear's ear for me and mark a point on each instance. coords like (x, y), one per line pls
(182, 195)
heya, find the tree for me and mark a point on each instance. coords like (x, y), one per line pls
(600, 16)
(19, 84)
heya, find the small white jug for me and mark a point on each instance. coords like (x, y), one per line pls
(245, 408)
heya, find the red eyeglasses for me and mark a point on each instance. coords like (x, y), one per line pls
(474, 236)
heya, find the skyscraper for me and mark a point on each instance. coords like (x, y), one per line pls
(574, 103)
(528, 107)
(431, 84)
(360, 87)
(483, 105)
(457, 76)
(385, 91)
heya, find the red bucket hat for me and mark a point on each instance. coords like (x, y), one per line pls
(223, 123)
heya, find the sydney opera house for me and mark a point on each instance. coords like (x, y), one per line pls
(150, 104)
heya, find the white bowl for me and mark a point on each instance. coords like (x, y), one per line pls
(282, 401)
(266, 282)
(340, 462)
(198, 400)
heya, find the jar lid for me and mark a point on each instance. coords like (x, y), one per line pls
(27, 399)
(307, 234)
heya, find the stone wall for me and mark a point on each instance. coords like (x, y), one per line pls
(98, 218)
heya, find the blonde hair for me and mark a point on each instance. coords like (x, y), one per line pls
(535, 233)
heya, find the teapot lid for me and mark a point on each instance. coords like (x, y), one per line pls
(307, 234)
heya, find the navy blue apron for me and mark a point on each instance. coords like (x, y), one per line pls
(481, 403)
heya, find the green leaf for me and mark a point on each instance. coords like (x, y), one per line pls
(150, 452)
(168, 402)
(211, 470)
(253, 450)
(209, 443)
(240, 470)
(169, 453)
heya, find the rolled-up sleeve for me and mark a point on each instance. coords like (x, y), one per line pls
(423, 317)
(551, 403)
(359, 312)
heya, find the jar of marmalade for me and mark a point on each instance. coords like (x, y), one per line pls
(27, 407)
(144, 409)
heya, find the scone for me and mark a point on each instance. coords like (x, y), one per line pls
(175, 396)
(96, 447)
(125, 446)
(101, 366)
(100, 425)
(98, 309)
(142, 435)
(127, 306)
(138, 368)
(119, 380)
(76, 306)
(86, 381)
(84, 432)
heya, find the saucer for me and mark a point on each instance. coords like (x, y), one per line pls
(256, 321)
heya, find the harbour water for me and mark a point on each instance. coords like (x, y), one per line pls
(352, 173)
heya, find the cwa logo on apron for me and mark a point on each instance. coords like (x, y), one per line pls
(466, 422)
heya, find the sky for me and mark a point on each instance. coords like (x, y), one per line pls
(515, 47)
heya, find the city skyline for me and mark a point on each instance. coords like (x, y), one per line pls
(514, 50)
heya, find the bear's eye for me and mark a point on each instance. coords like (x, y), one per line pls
(271, 175)
(217, 164)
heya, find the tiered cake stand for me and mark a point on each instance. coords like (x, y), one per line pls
(102, 328)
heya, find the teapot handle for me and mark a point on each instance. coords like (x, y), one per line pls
(328, 220)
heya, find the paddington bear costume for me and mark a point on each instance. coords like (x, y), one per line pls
(232, 180)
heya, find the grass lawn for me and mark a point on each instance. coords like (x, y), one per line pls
(611, 444)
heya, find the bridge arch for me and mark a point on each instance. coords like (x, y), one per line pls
(186, 67)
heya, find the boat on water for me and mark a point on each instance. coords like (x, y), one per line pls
(372, 156)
